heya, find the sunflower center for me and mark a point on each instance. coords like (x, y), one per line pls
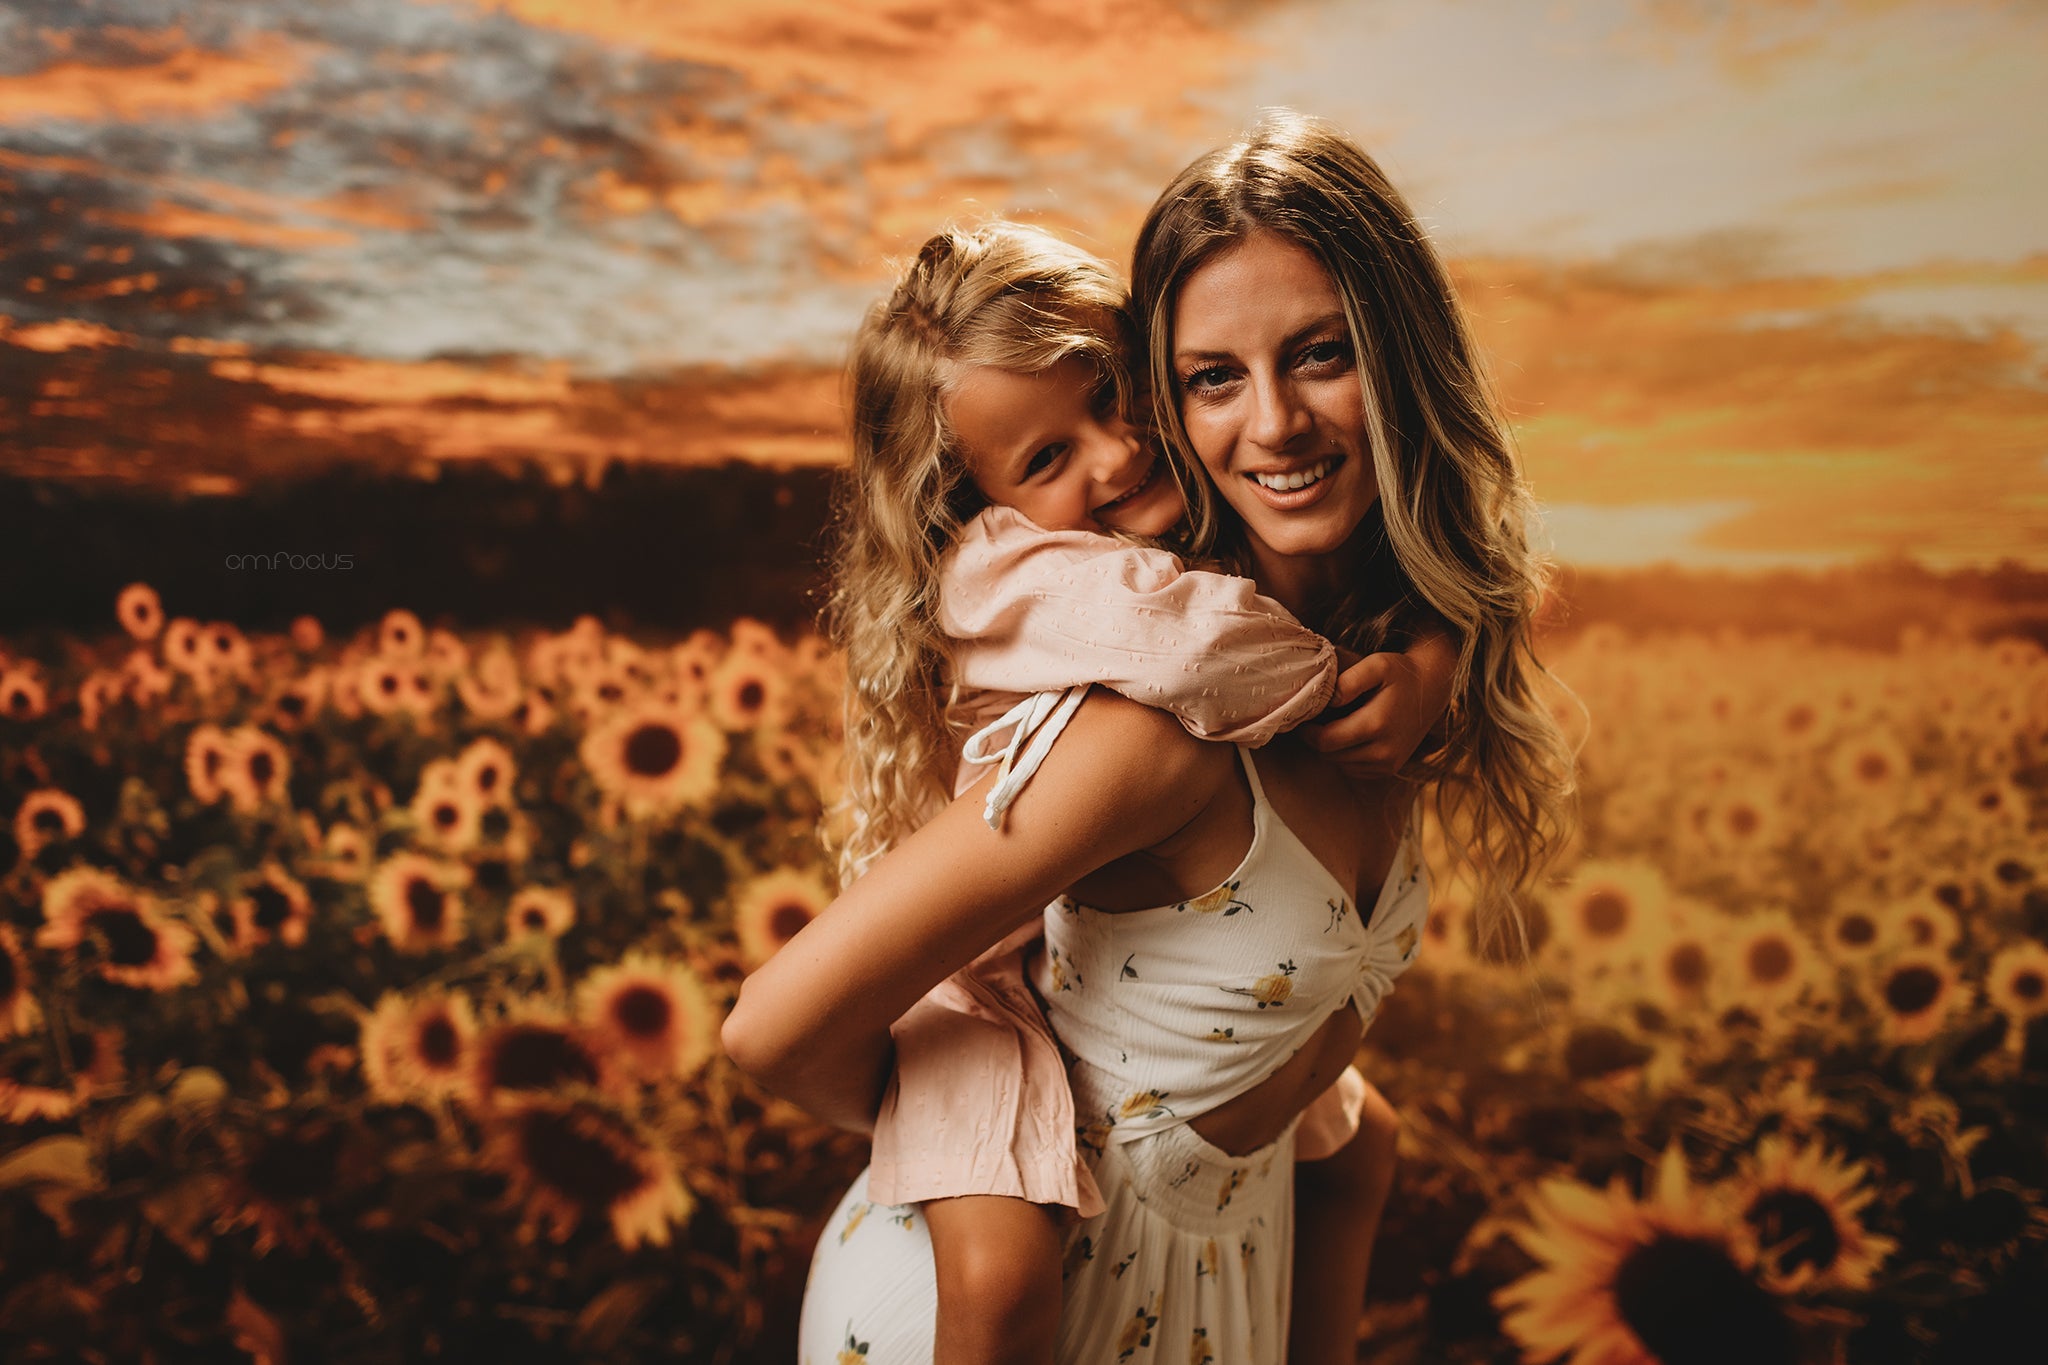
(18, 702)
(1689, 966)
(1857, 931)
(1873, 768)
(496, 824)
(273, 907)
(1912, 989)
(1691, 1304)
(2012, 871)
(388, 684)
(653, 750)
(1800, 719)
(446, 815)
(1796, 1227)
(429, 907)
(1606, 913)
(533, 919)
(752, 694)
(130, 940)
(1949, 894)
(1990, 800)
(487, 778)
(2029, 986)
(786, 920)
(440, 1046)
(1922, 930)
(536, 1057)
(643, 1011)
(48, 821)
(1770, 960)
(1744, 821)
(586, 1168)
(262, 767)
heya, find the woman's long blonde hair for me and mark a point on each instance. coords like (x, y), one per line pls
(1001, 294)
(1449, 532)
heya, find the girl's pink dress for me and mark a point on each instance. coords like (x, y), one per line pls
(979, 1103)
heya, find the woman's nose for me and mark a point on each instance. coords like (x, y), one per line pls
(1277, 413)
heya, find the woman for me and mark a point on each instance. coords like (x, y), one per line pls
(1307, 353)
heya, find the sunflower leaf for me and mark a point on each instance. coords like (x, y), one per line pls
(606, 1319)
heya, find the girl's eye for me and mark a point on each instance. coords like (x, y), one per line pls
(1043, 458)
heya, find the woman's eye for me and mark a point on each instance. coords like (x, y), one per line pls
(1325, 354)
(1199, 381)
(1043, 458)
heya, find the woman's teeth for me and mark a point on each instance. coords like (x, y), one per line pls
(1300, 478)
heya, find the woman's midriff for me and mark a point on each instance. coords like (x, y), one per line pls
(1250, 1121)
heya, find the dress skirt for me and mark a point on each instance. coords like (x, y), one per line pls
(1190, 1262)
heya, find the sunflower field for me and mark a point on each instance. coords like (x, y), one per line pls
(359, 997)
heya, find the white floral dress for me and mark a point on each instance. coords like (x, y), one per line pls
(1166, 1013)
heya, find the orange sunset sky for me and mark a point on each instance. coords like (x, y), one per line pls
(1765, 284)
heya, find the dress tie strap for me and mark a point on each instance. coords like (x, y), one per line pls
(1034, 723)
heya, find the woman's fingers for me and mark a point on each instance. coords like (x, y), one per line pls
(1359, 680)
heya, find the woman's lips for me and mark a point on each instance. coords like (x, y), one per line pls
(1297, 487)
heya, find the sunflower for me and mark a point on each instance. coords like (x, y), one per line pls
(491, 688)
(446, 656)
(345, 853)
(418, 1045)
(1626, 1282)
(1856, 933)
(1802, 1202)
(1995, 807)
(400, 635)
(449, 818)
(756, 640)
(132, 944)
(544, 910)
(566, 1161)
(226, 650)
(531, 1051)
(534, 715)
(770, 910)
(100, 691)
(19, 1012)
(23, 1099)
(487, 769)
(184, 646)
(1927, 921)
(417, 899)
(140, 611)
(1745, 820)
(382, 686)
(273, 907)
(2017, 982)
(308, 634)
(1771, 963)
(746, 693)
(655, 760)
(208, 752)
(1684, 972)
(696, 658)
(654, 1014)
(1915, 994)
(22, 695)
(1610, 913)
(1873, 765)
(602, 688)
(46, 817)
(300, 699)
(257, 770)
(150, 680)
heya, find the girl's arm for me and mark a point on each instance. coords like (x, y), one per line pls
(813, 1024)
(1031, 610)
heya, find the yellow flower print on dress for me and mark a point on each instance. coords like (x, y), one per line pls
(1138, 1331)
(1222, 1035)
(1143, 1104)
(1405, 941)
(1205, 1264)
(1338, 909)
(853, 1220)
(1230, 1186)
(1272, 989)
(856, 1352)
(1198, 1350)
(1223, 898)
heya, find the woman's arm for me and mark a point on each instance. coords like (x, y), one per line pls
(813, 1023)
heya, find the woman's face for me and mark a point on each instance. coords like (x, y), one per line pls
(1270, 396)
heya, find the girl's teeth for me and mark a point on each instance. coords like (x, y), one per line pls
(1301, 478)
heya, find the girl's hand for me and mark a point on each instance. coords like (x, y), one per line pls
(1382, 711)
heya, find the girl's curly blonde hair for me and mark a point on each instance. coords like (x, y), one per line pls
(1002, 294)
(1449, 531)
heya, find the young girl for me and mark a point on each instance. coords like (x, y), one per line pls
(988, 398)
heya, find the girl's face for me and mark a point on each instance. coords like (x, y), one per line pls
(1270, 396)
(1051, 445)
